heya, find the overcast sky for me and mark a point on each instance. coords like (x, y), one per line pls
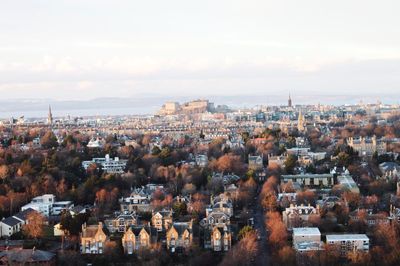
(84, 49)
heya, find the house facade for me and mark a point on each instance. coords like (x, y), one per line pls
(162, 220)
(121, 222)
(93, 239)
(138, 237)
(179, 236)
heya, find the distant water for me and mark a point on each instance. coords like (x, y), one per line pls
(81, 112)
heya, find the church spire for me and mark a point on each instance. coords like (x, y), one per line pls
(290, 101)
(50, 117)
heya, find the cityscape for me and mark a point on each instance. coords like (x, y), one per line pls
(199, 182)
(188, 133)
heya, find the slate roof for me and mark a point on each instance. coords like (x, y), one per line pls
(90, 230)
(10, 221)
(150, 230)
(23, 214)
(181, 227)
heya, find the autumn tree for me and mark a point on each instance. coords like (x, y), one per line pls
(286, 256)
(277, 230)
(243, 252)
(268, 193)
(34, 227)
(72, 225)
(4, 171)
(49, 140)
(290, 164)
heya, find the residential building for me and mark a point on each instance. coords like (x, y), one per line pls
(218, 238)
(120, 222)
(59, 206)
(349, 242)
(390, 170)
(137, 201)
(93, 239)
(367, 146)
(370, 218)
(13, 224)
(138, 237)
(201, 160)
(299, 216)
(217, 231)
(306, 239)
(221, 203)
(179, 236)
(96, 143)
(255, 162)
(310, 180)
(42, 204)
(274, 161)
(162, 220)
(107, 164)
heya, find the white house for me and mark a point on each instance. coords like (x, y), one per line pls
(47, 205)
(109, 165)
(13, 224)
(42, 204)
(59, 206)
(307, 239)
(349, 242)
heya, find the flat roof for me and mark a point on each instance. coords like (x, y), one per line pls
(309, 246)
(306, 231)
(346, 237)
(63, 202)
(307, 176)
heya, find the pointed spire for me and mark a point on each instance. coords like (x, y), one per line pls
(50, 116)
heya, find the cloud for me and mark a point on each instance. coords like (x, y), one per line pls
(66, 77)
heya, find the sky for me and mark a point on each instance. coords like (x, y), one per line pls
(88, 49)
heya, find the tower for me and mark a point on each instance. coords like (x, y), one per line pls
(300, 122)
(50, 117)
(290, 101)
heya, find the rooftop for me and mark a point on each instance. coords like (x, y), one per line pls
(306, 231)
(346, 237)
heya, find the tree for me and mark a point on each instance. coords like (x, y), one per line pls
(244, 231)
(268, 195)
(34, 227)
(243, 252)
(72, 225)
(277, 230)
(189, 189)
(49, 140)
(287, 256)
(4, 171)
(290, 164)
(229, 163)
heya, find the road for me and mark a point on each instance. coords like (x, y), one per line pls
(263, 256)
